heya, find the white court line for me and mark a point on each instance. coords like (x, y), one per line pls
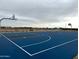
(16, 45)
(37, 43)
(39, 51)
(54, 47)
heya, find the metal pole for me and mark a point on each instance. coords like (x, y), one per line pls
(13, 18)
(0, 24)
(65, 25)
(71, 26)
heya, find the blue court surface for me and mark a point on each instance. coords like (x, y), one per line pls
(38, 45)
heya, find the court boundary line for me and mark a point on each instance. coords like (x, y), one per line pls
(39, 51)
(38, 43)
(53, 47)
(16, 44)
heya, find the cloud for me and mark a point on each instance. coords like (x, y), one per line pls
(40, 10)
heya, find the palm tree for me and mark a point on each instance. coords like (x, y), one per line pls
(69, 24)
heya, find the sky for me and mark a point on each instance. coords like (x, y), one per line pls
(40, 13)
